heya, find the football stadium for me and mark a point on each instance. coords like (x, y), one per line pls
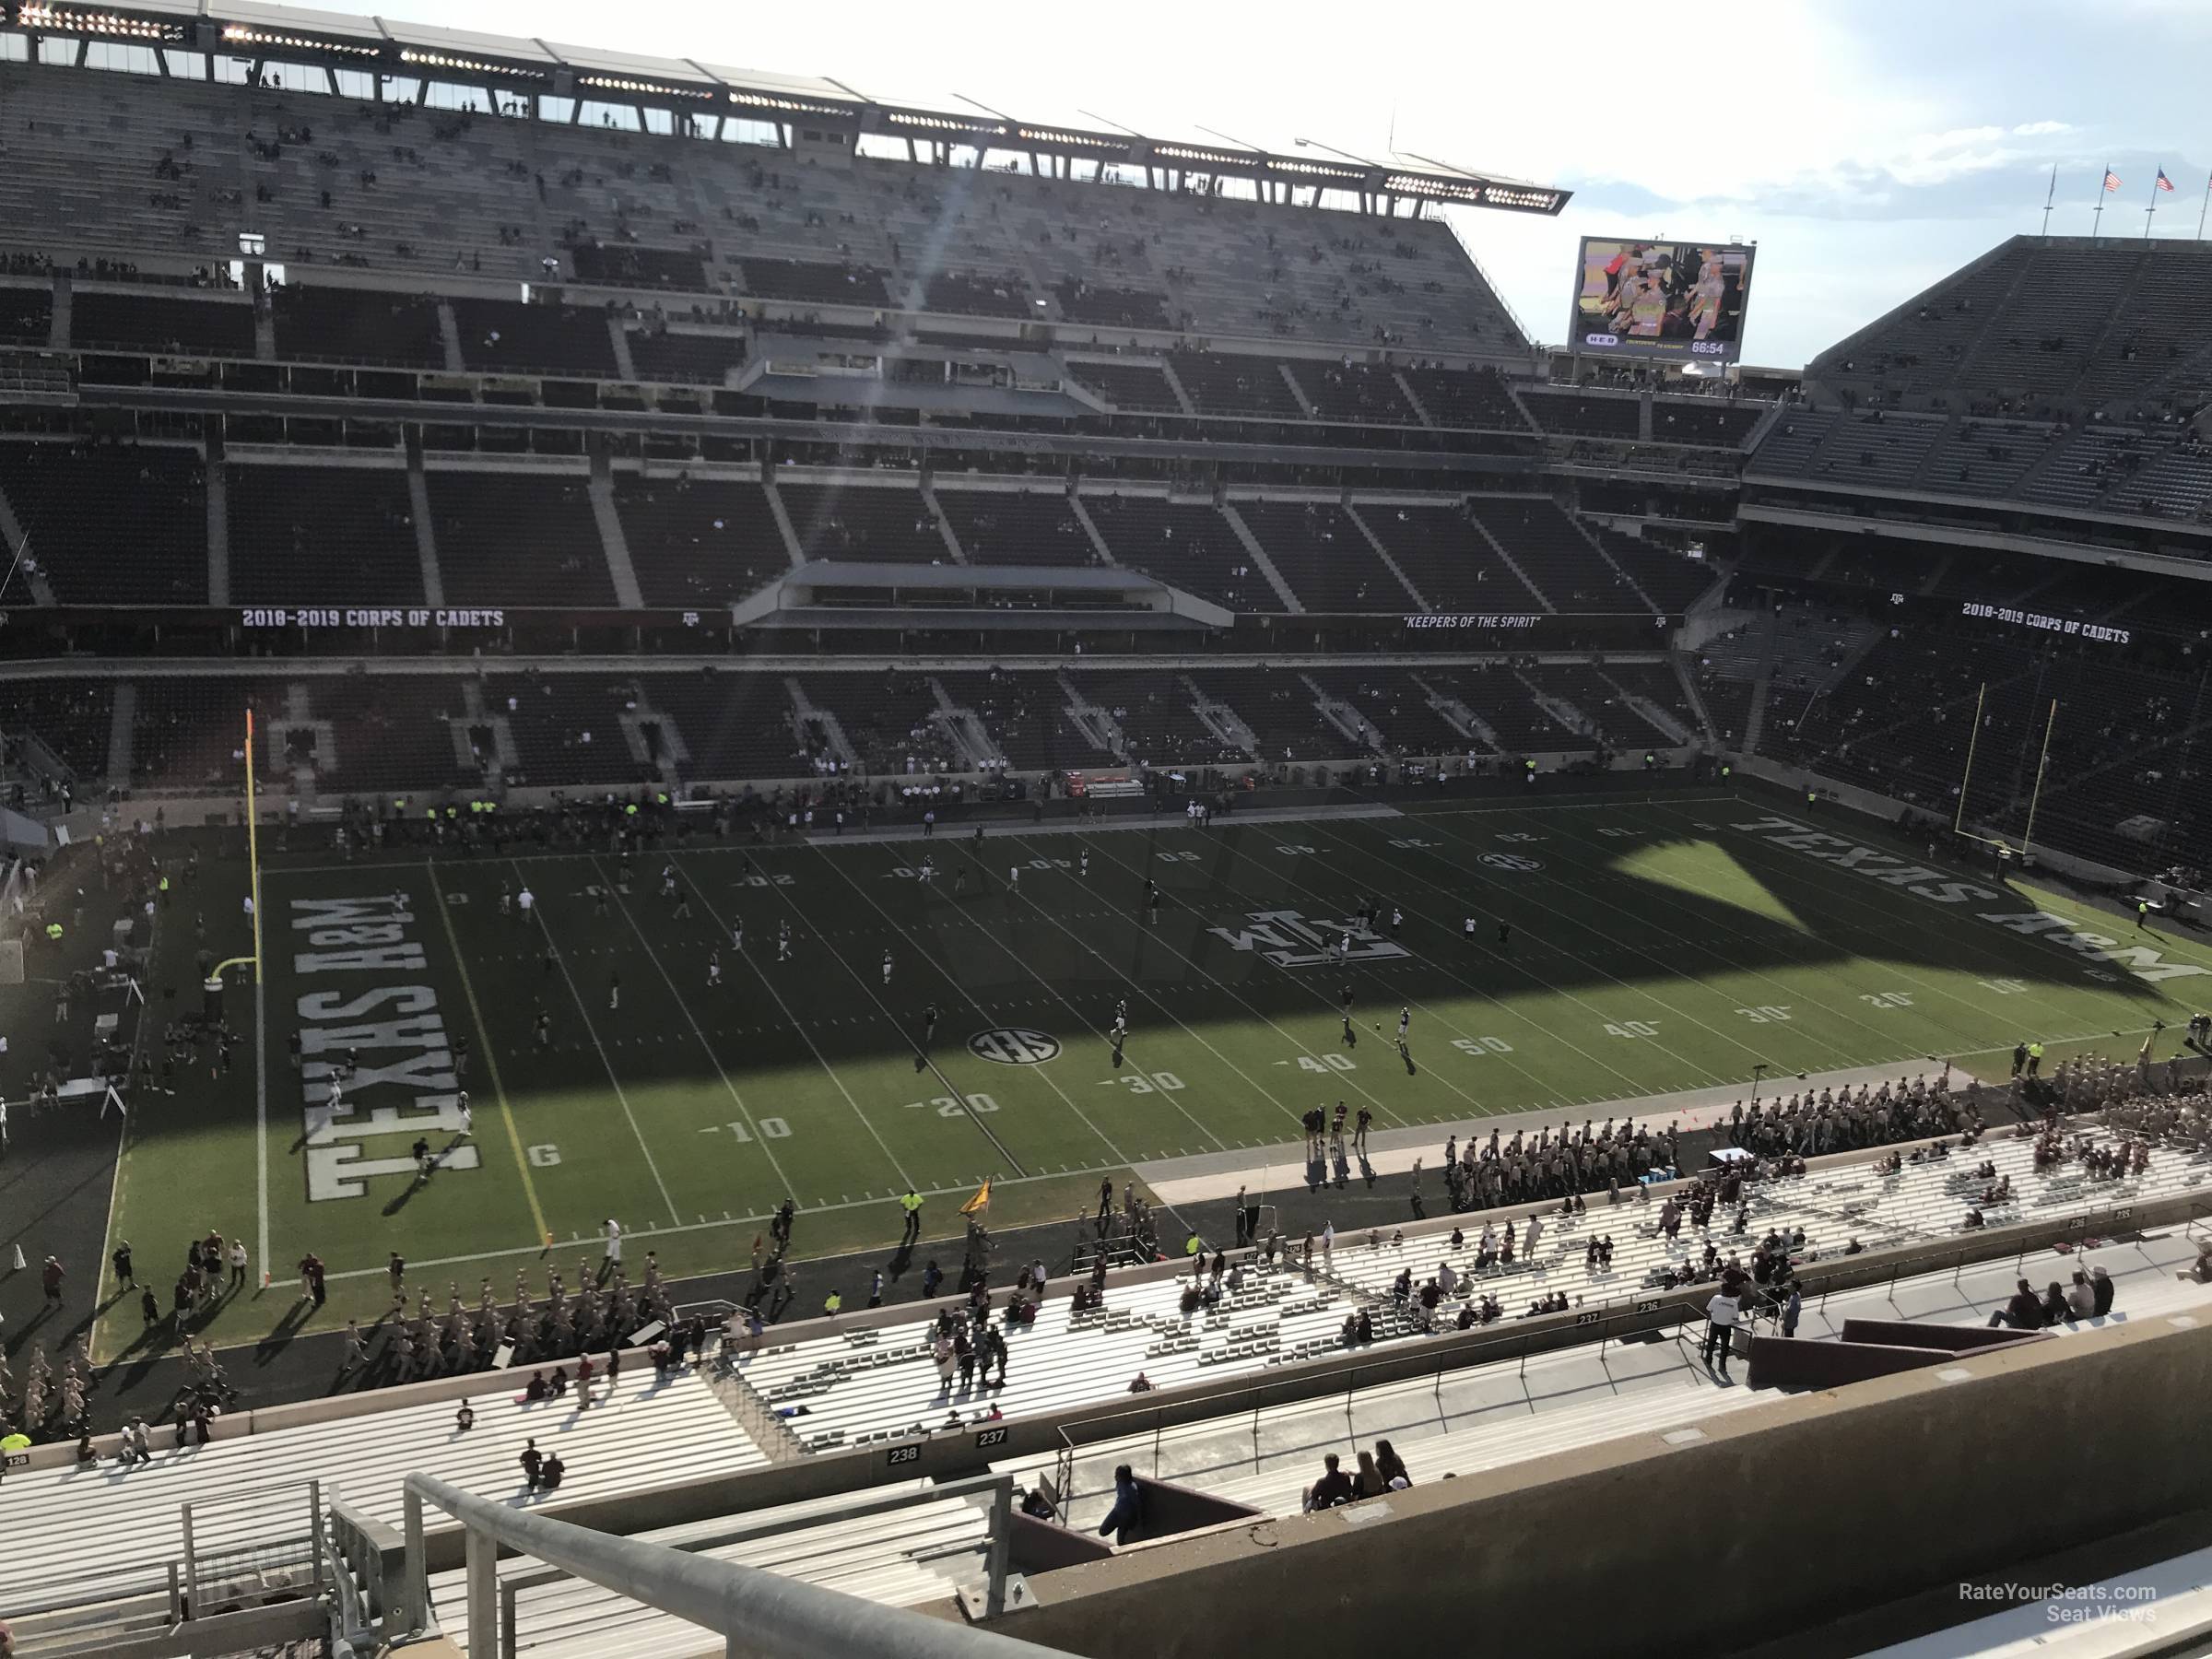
(691, 762)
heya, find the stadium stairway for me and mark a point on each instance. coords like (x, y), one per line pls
(1261, 561)
(601, 489)
(1382, 553)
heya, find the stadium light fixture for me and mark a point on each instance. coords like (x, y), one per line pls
(440, 60)
(242, 35)
(40, 16)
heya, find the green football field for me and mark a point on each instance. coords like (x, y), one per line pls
(1655, 945)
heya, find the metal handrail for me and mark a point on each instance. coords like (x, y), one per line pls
(745, 1529)
(757, 1612)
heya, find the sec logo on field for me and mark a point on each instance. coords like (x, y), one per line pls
(1511, 861)
(1013, 1045)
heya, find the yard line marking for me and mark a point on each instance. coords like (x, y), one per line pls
(954, 981)
(1407, 872)
(1819, 876)
(1143, 932)
(491, 1059)
(561, 961)
(721, 927)
(821, 1206)
(1231, 847)
(1853, 919)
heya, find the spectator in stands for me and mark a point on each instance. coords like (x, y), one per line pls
(1720, 1330)
(2023, 1312)
(555, 1471)
(1141, 1383)
(466, 1419)
(1128, 1504)
(2101, 1291)
(2055, 1304)
(1368, 1482)
(1391, 1466)
(536, 1389)
(2080, 1299)
(534, 1464)
(1333, 1487)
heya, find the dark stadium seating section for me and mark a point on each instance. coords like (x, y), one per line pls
(1583, 415)
(1466, 397)
(888, 524)
(72, 717)
(506, 335)
(1355, 393)
(1016, 527)
(322, 535)
(667, 356)
(1185, 544)
(1319, 552)
(1131, 385)
(162, 322)
(1451, 564)
(1554, 553)
(1028, 713)
(566, 728)
(1082, 301)
(112, 525)
(357, 325)
(26, 314)
(812, 284)
(1236, 385)
(518, 538)
(699, 541)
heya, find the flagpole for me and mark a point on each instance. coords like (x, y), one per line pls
(2200, 212)
(2053, 196)
(2096, 219)
(2154, 204)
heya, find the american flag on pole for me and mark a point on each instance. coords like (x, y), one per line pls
(2164, 182)
(2111, 178)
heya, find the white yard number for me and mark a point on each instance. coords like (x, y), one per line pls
(1517, 835)
(545, 1156)
(1766, 1014)
(1412, 843)
(772, 1128)
(1618, 833)
(2004, 987)
(1165, 1082)
(1479, 1046)
(1293, 847)
(1633, 1027)
(1176, 857)
(947, 1106)
(1886, 999)
(1327, 1063)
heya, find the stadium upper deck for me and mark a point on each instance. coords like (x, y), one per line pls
(414, 154)
(2059, 376)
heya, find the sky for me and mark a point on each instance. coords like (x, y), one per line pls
(1868, 146)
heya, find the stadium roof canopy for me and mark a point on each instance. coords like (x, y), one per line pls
(932, 126)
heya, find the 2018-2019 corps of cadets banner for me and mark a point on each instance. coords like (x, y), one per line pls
(1675, 300)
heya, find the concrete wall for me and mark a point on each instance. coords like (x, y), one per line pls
(1784, 1362)
(1882, 1487)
